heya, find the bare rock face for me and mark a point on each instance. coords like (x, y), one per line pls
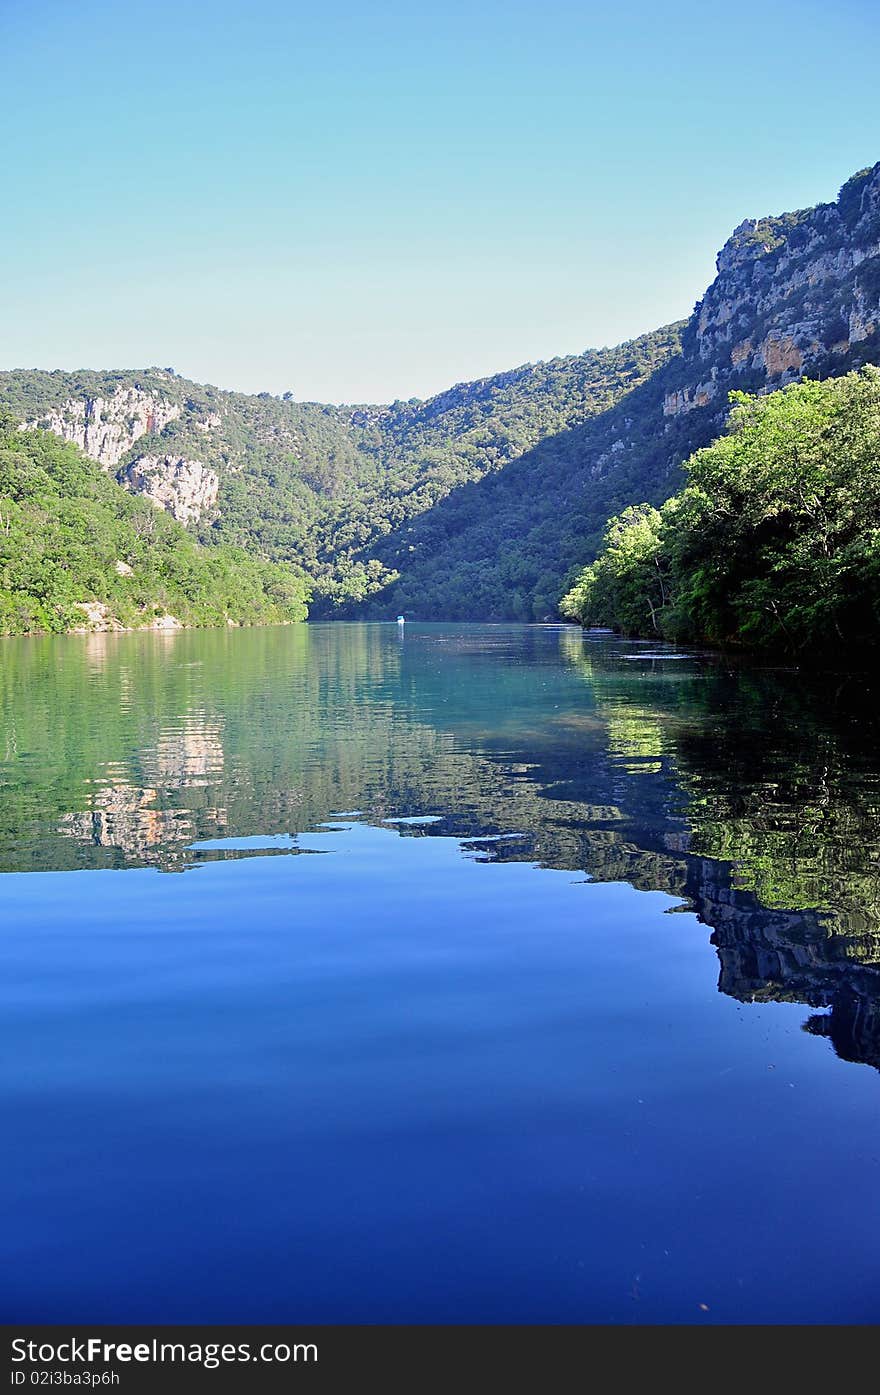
(686, 399)
(794, 293)
(97, 619)
(864, 318)
(184, 488)
(105, 428)
(795, 296)
(781, 355)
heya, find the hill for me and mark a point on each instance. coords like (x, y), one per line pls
(77, 552)
(795, 296)
(482, 502)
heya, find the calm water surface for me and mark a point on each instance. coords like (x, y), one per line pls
(470, 974)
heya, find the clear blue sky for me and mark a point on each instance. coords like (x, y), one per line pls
(360, 201)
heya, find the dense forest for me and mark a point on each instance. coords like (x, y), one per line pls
(77, 551)
(775, 541)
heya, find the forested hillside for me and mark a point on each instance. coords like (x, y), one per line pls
(797, 295)
(775, 542)
(323, 486)
(76, 551)
(483, 502)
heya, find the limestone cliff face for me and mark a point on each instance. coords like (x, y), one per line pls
(686, 399)
(797, 295)
(185, 488)
(106, 428)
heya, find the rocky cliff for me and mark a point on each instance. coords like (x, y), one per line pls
(109, 425)
(106, 428)
(186, 488)
(796, 295)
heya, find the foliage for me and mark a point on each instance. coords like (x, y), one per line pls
(774, 543)
(70, 536)
(499, 545)
(367, 499)
(483, 502)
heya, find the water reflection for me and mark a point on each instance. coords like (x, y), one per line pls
(188, 753)
(752, 796)
(125, 818)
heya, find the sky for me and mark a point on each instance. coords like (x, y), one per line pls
(367, 201)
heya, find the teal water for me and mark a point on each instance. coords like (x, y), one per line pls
(467, 974)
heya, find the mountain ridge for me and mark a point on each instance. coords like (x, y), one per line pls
(481, 501)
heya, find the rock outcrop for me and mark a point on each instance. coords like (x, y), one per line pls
(793, 294)
(686, 399)
(106, 428)
(187, 489)
(98, 618)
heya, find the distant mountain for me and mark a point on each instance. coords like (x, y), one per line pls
(479, 503)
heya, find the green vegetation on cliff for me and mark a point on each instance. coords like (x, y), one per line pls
(482, 502)
(340, 490)
(775, 542)
(72, 539)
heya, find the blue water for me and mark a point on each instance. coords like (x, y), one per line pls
(265, 1058)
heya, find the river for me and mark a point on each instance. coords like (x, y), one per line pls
(365, 973)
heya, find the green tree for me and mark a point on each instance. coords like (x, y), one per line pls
(774, 543)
